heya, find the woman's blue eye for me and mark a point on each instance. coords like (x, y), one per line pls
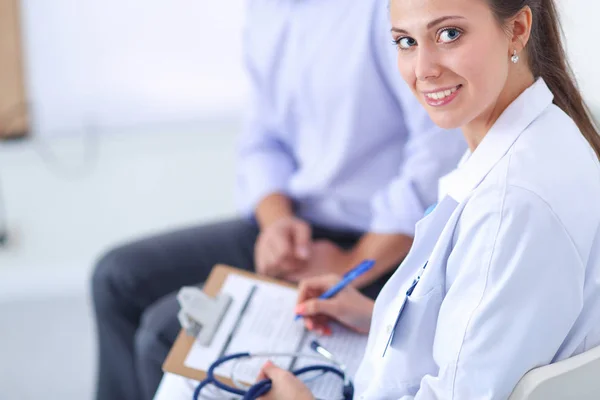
(405, 42)
(449, 35)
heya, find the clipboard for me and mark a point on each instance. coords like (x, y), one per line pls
(175, 361)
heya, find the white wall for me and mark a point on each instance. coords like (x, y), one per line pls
(579, 19)
(130, 62)
(124, 62)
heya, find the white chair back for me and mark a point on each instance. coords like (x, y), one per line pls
(576, 378)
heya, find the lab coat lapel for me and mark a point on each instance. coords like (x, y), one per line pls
(428, 230)
(503, 134)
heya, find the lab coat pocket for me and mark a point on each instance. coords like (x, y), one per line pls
(418, 320)
(411, 345)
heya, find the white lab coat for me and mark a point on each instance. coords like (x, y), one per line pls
(513, 274)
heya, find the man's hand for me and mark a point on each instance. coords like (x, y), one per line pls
(285, 385)
(325, 258)
(283, 247)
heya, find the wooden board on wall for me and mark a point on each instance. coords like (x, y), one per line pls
(13, 98)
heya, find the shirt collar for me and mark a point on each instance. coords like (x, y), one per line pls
(500, 138)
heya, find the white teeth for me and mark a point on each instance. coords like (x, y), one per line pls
(441, 94)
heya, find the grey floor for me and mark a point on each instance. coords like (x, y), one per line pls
(47, 349)
(141, 181)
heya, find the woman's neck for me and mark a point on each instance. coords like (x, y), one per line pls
(476, 130)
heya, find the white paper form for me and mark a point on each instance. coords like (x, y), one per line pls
(346, 346)
(267, 325)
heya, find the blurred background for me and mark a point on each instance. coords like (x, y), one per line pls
(134, 107)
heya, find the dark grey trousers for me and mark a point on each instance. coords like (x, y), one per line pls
(134, 289)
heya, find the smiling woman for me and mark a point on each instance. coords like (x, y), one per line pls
(450, 51)
(504, 274)
(462, 52)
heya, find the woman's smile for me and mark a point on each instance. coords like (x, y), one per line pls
(441, 97)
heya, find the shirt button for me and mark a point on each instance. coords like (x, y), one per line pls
(388, 329)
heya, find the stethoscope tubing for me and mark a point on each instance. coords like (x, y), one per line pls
(262, 387)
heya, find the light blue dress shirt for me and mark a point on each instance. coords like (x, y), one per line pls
(331, 124)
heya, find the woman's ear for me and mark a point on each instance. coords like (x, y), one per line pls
(520, 29)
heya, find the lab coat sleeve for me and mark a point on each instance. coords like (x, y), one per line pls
(517, 291)
(429, 153)
(265, 161)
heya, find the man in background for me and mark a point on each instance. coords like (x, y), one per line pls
(337, 162)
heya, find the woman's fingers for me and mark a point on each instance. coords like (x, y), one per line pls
(314, 287)
(314, 320)
(313, 307)
(267, 370)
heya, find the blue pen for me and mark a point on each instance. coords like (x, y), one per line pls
(346, 280)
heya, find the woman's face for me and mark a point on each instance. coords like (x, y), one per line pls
(454, 55)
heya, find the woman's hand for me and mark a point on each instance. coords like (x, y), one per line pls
(349, 306)
(285, 385)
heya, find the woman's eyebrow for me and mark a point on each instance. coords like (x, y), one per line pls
(431, 24)
(394, 29)
(438, 21)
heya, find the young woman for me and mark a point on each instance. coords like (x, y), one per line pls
(507, 266)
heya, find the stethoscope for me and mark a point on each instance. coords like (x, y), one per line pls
(261, 388)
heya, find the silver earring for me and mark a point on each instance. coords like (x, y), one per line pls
(515, 57)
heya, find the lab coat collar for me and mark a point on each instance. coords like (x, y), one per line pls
(500, 138)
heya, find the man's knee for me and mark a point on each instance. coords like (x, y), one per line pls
(158, 330)
(109, 277)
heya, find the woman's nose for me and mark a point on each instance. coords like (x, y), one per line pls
(427, 64)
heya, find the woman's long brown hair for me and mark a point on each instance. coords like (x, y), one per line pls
(548, 60)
